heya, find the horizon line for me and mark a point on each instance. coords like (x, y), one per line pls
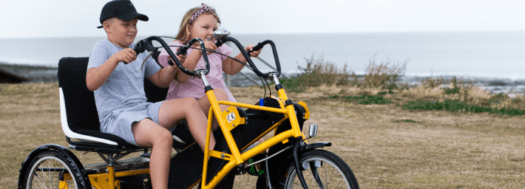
(288, 33)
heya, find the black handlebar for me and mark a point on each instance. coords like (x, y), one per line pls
(146, 44)
(256, 48)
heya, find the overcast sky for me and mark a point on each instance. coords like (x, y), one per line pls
(79, 18)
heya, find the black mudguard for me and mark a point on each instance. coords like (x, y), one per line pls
(84, 183)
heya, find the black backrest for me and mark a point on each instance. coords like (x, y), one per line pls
(79, 101)
(154, 93)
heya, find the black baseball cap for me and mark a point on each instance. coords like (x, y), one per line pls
(122, 9)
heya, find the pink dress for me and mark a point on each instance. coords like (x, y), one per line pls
(194, 87)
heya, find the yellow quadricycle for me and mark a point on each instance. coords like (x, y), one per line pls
(286, 160)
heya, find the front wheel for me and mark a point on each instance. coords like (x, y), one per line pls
(51, 169)
(321, 169)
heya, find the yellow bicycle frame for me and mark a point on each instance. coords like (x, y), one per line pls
(110, 179)
(236, 158)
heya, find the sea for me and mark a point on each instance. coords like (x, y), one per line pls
(496, 59)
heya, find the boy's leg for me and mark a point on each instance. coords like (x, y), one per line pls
(150, 134)
(186, 108)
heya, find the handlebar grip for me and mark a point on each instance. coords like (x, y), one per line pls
(182, 50)
(256, 47)
(139, 47)
(218, 43)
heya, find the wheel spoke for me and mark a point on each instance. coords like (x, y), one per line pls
(50, 177)
(326, 177)
(325, 166)
(48, 170)
(39, 179)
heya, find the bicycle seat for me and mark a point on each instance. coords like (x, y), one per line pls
(78, 112)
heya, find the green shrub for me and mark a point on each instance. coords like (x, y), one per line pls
(456, 106)
(385, 92)
(405, 120)
(452, 91)
(364, 99)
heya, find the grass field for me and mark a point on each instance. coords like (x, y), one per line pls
(385, 145)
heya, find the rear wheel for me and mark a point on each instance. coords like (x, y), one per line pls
(51, 169)
(321, 169)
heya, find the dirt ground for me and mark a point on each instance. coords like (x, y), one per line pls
(384, 145)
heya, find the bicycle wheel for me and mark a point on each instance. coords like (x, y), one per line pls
(321, 169)
(51, 169)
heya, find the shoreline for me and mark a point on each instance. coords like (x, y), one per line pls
(34, 73)
(41, 73)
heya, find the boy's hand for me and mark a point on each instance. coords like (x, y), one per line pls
(254, 54)
(126, 55)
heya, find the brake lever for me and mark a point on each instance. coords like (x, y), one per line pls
(149, 55)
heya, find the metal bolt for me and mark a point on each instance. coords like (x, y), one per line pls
(306, 166)
(317, 164)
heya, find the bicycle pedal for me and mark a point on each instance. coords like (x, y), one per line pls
(176, 138)
(145, 156)
(256, 169)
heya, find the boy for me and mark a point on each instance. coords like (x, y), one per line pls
(115, 76)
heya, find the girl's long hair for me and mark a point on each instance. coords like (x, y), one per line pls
(184, 30)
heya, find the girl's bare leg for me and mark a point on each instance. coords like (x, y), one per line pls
(150, 134)
(205, 103)
(176, 109)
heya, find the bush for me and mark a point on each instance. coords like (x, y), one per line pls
(457, 106)
(364, 99)
(383, 75)
(318, 72)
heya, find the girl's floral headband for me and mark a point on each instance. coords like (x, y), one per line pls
(204, 8)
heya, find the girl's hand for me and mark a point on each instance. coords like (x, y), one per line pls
(126, 55)
(210, 45)
(254, 54)
(181, 58)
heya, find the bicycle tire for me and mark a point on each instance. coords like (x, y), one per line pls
(327, 165)
(50, 169)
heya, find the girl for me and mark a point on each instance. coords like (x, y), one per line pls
(201, 22)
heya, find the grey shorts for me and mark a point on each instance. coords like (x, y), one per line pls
(119, 121)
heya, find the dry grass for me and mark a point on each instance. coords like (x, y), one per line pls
(386, 146)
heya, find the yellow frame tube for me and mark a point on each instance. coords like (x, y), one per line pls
(236, 157)
(264, 108)
(207, 147)
(227, 135)
(111, 175)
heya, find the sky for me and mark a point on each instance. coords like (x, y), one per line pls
(79, 18)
